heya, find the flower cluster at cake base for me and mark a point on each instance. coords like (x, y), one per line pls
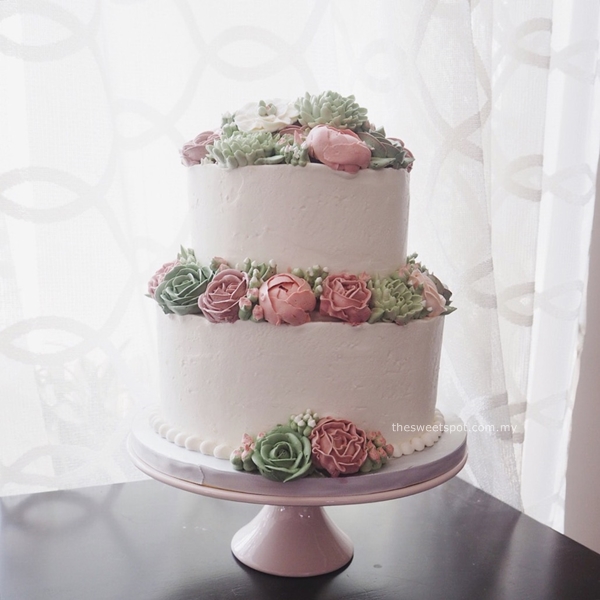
(326, 128)
(309, 445)
(258, 292)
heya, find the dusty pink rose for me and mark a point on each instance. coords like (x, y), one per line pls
(158, 277)
(346, 297)
(195, 150)
(338, 446)
(341, 150)
(435, 302)
(286, 298)
(220, 301)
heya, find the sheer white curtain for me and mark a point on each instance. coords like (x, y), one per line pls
(497, 100)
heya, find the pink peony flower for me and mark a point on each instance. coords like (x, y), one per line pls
(342, 150)
(338, 446)
(195, 150)
(220, 301)
(346, 297)
(159, 276)
(286, 298)
(435, 302)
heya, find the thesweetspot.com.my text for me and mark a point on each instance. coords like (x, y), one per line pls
(452, 427)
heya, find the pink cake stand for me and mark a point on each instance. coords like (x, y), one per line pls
(295, 512)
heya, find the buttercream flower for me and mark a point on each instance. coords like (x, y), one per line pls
(435, 303)
(394, 300)
(194, 151)
(178, 292)
(283, 454)
(339, 150)
(270, 115)
(159, 276)
(220, 301)
(345, 297)
(286, 298)
(338, 446)
(331, 108)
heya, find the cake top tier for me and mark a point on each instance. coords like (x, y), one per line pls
(327, 128)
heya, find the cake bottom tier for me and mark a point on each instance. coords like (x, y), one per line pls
(220, 381)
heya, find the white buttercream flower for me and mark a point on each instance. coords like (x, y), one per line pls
(270, 115)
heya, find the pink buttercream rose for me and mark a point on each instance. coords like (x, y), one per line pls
(194, 151)
(159, 276)
(220, 301)
(346, 297)
(286, 298)
(338, 446)
(435, 302)
(341, 150)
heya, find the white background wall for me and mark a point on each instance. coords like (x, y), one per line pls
(582, 503)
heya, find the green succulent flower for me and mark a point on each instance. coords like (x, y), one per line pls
(283, 454)
(180, 289)
(242, 149)
(385, 152)
(293, 153)
(393, 300)
(331, 108)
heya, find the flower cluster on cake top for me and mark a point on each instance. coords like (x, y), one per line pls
(309, 445)
(327, 128)
(257, 291)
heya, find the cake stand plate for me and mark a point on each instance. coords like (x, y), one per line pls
(319, 545)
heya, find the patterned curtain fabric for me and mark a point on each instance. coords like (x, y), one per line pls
(497, 100)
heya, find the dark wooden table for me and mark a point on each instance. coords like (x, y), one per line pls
(146, 540)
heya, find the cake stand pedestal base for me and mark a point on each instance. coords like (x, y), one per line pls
(293, 516)
(319, 545)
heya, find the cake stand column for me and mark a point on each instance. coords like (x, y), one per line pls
(292, 541)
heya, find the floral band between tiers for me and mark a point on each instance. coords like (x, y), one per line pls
(258, 292)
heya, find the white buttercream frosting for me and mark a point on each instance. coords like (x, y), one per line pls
(219, 381)
(301, 216)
